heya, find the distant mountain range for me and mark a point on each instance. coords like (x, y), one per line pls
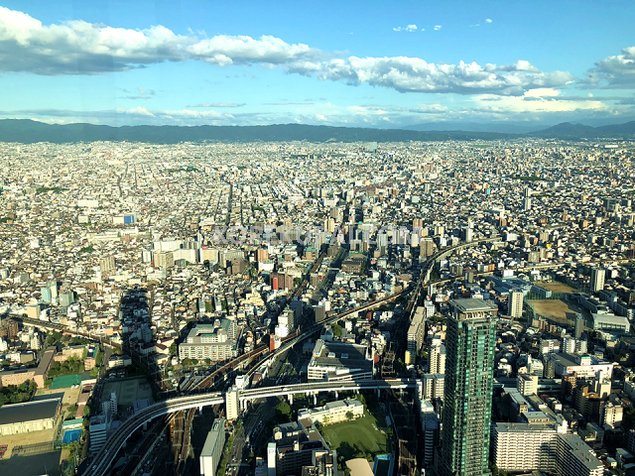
(28, 131)
(580, 131)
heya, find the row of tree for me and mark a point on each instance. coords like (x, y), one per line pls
(17, 393)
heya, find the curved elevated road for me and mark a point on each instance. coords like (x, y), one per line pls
(103, 460)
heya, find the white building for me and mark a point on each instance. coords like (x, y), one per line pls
(433, 386)
(232, 404)
(528, 447)
(584, 366)
(416, 331)
(213, 448)
(527, 384)
(215, 342)
(597, 279)
(436, 358)
(333, 412)
(339, 361)
(515, 304)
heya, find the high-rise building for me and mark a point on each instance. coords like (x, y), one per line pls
(416, 331)
(470, 343)
(515, 304)
(232, 404)
(436, 360)
(430, 429)
(527, 204)
(579, 325)
(107, 265)
(213, 448)
(597, 279)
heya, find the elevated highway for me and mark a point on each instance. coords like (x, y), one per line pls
(117, 439)
(260, 356)
(54, 326)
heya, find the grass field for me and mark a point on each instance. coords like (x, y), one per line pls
(357, 438)
(556, 287)
(552, 309)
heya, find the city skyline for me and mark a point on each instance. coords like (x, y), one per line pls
(517, 66)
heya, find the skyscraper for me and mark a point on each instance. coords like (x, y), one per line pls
(470, 341)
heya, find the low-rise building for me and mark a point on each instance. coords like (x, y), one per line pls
(333, 412)
(215, 342)
(339, 361)
(36, 415)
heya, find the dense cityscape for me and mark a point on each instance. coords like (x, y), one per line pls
(319, 309)
(293, 238)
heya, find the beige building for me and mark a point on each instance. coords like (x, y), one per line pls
(15, 377)
(527, 384)
(38, 415)
(515, 304)
(333, 412)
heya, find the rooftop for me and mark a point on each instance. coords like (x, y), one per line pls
(472, 305)
(29, 411)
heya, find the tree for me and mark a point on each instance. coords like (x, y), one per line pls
(349, 415)
(283, 410)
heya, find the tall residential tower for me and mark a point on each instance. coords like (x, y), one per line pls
(470, 342)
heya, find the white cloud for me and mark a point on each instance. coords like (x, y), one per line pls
(489, 20)
(617, 71)
(541, 100)
(139, 110)
(225, 49)
(410, 28)
(219, 104)
(437, 27)
(542, 93)
(79, 47)
(411, 74)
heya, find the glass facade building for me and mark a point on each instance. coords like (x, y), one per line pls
(470, 343)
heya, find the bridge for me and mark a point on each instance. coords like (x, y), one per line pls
(313, 388)
(261, 356)
(102, 461)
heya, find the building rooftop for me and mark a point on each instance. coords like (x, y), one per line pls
(29, 411)
(331, 354)
(218, 427)
(470, 305)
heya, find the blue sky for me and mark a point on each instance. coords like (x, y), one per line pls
(445, 64)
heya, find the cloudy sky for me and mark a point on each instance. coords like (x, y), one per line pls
(363, 63)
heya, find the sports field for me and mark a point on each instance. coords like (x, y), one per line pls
(555, 287)
(552, 309)
(357, 438)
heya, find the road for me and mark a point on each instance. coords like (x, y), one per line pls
(262, 356)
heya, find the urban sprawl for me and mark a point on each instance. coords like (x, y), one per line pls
(447, 308)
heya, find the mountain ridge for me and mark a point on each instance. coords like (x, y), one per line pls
(30, 131)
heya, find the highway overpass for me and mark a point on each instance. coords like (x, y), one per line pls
(102, 461)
